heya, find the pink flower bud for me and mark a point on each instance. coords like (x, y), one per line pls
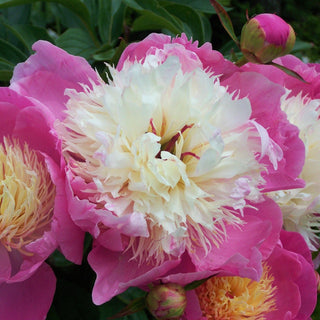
(266, 37)
(166, 301)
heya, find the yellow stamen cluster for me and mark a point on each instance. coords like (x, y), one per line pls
(236, 298)
(26, 195)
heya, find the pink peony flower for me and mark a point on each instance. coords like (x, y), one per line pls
(287, 289)
(166, 181)
(262, 94)
(34, 220)
(266, 37)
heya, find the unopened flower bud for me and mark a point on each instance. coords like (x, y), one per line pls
(166, 301)
(266, 37)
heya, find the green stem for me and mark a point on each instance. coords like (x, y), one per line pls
(241, 61)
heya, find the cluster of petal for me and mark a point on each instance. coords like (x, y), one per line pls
(301, 207)
(265, 98)
(293, 288)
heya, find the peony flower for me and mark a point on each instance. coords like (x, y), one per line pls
(301, 207)
(286, 290)
(31, 197)
(163, 161)
(266, 37)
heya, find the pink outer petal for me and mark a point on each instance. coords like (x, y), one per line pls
(191, 57)
(244, 249)
(309, 72)
(116, 272)
(10, 105)
(47, 73)
(294, 242)
(295, 280)
(264, 96)
(193, 310)
(241, 254)
(30, 299)
(69, 237)
(28, 123)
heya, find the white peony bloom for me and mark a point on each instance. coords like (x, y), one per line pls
(301, 207)
(174, 148)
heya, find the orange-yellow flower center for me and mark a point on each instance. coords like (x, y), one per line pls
(26, 195)
(236, 298)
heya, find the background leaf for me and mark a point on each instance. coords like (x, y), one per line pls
(154, 16)
(110, 20)
(77, 42)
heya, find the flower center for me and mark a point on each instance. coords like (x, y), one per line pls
(236, 298)
(26, 196)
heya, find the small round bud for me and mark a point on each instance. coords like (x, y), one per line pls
(266, 37)
(166, 301)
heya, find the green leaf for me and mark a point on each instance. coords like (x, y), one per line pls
(6, 75)
(28, 34)
(10, 53)
(195, 284)
(18, 14)
(155, 16)
(207, 28)
(203, 6)
(301, 45)
(75, 6)
(110, 20)
(77, 42)
(104, 56)
(225, 20)
(191, 19)
(150, 21)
